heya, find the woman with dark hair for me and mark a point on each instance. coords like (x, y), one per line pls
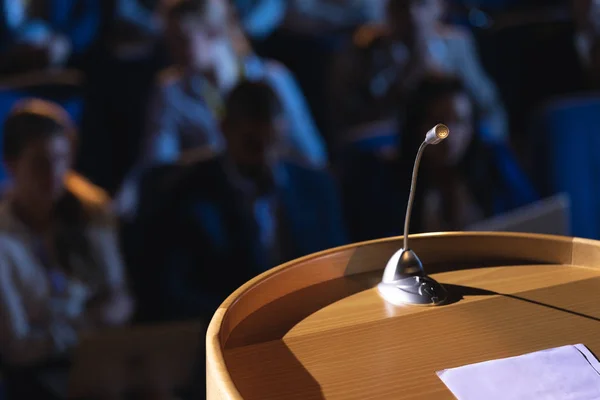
(464, 178)
(60, 268)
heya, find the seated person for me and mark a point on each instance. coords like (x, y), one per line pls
(462, 180)
(228, 217)
(60, 268)
(211, 56)
(40, 34)
(386, 61)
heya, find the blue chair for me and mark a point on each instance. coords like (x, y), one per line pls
(515, 188)
(566, 150)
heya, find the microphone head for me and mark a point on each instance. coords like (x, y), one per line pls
(437, 134)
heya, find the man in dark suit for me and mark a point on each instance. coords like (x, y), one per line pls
(226, 218)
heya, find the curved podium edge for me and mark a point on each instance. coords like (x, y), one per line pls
(433, 248)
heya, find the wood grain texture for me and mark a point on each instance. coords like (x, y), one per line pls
(316, 328)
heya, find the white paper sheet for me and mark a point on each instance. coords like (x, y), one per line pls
(563, 373)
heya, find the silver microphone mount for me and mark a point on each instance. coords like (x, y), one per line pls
(404, 279)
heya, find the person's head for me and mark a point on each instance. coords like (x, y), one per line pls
(38, 150)
(406, 16)
(587, 15)
(194, 29)
(254, 127)
(439, 100)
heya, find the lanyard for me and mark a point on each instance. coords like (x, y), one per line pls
(213, 96)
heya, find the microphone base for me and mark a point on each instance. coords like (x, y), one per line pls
(415, 290)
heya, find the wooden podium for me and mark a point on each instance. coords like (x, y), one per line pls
(317, 328)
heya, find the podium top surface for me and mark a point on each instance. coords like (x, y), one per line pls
(316, 328)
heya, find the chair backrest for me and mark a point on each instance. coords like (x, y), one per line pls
(566, 147)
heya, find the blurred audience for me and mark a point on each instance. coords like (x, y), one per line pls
(211, 55)
(60, 268)
(308, 39)
(226, 153)
(386, 61)
(231, 216)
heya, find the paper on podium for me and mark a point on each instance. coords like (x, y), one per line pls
(562, 373)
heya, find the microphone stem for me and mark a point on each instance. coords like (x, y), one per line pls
(411, 196)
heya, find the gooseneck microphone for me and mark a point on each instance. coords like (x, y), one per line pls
(404, 279)
(434, 136)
